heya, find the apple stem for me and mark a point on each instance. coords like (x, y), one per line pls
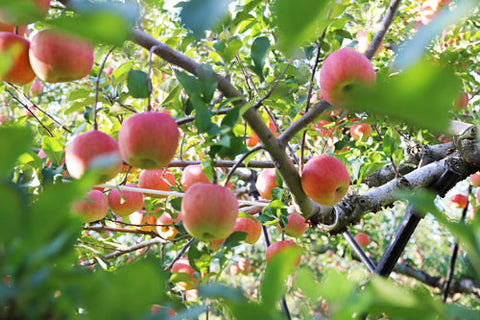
(149, 78)
(97, 85)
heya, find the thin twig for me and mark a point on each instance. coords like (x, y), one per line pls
(149, 78)
(180, 254)
(97, 88)
(236, 165)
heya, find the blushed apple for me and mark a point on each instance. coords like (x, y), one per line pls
(265, 183)
(360, 131)
(14, 51)
(192, 174)
(166, 225)
(131, 202)
(459, 201)
(209, 211)
(93, 149)
(462, 101)
(149, 140)
(279, 246)
(59, 57)
(363, 239)
(94, 207)
(36, 88)
(158, 179)
(325, 180)
(183, 266)
(296, 225)
(141, 218)
(343, 70)
(475, 179)
(21, 30)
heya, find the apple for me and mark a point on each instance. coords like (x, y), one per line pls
(131, 202)
(36, 88)
(279, 246)
(273, 129)
(296, 225)
(94, 207)
(359, 131)
(191, 174)
(462, 101)
(22, 30)
(183, 266)
(24, 11)
(209, 211)
(475, 179)
(362, 239)
(342, 70)
(92, 148)
(59, 57)
(158, 179)
(325, 180)
(149, 140)
(459, 201)
(250, 226)
(265, 183)
(166, 225)
(14, 51)
(141, 217)
(252, 140)
(4, 119)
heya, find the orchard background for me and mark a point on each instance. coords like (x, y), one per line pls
(241, 80)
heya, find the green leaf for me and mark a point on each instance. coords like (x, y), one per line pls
(203, 116)
(14, 206)
(389, 145)
(137, 83)
(201, 15)
(207, 82)
(235, 239)
(54, 149)
(420, 96)
(13, 142)
(299, 21)
(305, 281)
(258, 53)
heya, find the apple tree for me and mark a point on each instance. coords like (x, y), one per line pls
(239, 159)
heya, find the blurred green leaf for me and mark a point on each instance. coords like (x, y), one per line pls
(53, 148)
(207, 82)
(305, 281)
(137, 83)
(13, 141)
(201, 15)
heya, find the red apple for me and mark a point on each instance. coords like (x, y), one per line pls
(183, 266)
(273, 129)
(296, 225)
(341, 71)
(462, 101)
(58, 57)
(362, 239)
(142, 217)
(266, 182)
(278, 246)
(252, 140)
(166, 225)
(193, 174)
(91, 149)
(325, 180)
(475, 179)
(359, 131)
(209, 211)
(94, 207)
(30, 11)
(459, 201)
(131, 202)
(14, 51)
(36, 88)
(251, 227)
(158, 179)
(149, 140)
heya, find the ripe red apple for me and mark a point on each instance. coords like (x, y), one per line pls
(32, 10)
(475, 179)
(36, 88)
(158, 179)
(166, 225)
(325, 180)
(90, 149)
(22, 30)
(278, 246)
(94, 207)
(149, 140)
(341, 71)
(296, 225)
(459, 201)
(14, 51)
(362, 239)
(209, 211)
(193, 174)
(131, 202)
(142, 217)
(183, 266)
(265, 183)
(359, 131)
(58, 57)
(462, 101)
(251, 227)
